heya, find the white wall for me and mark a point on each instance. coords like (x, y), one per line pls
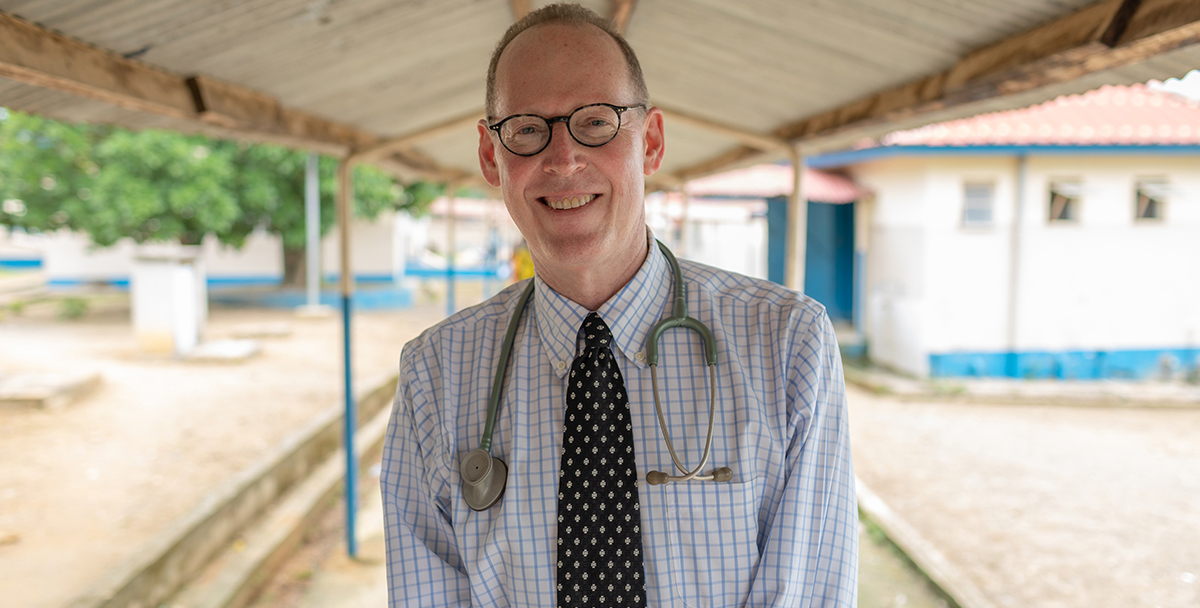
(1105, 282)
(1109, 281)
(261, 256)
(69, 256)
(372, 247)
(896, 266)
(967, 267)
(730, 234)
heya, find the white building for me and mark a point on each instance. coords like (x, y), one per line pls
(1061, 240)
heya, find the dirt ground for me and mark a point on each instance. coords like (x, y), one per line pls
(84, 487)
(1045, 506)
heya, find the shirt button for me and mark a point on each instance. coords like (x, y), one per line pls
(561, 365)
(641, 356)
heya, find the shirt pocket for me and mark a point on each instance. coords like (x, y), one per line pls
(712, 532)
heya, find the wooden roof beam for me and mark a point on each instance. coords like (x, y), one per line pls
(412, 139)
(1105, 35)
(424, 165)
(34, 55)
(40, 57)
(765, 143)
(621, 10)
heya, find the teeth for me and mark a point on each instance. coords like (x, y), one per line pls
(571, 202)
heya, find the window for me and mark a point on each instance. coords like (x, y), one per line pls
(978, 200)
(1150, 197)
(1064, 200)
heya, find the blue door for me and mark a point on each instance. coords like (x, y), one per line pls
(829, 257)
(829, 263)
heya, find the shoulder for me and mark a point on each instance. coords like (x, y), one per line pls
(465, 330)
(728, 289)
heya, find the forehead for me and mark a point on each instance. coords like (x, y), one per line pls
(555, 68)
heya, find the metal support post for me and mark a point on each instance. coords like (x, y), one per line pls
(345, 205)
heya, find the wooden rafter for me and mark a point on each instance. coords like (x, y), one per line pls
(765, 143)
(621, 10)
(44, 58)
(1105, 35)
(412, 139)
(429, 168)
(34, 55)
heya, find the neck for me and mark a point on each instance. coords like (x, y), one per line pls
(591, 286)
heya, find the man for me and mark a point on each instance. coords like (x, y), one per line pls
(569, 139)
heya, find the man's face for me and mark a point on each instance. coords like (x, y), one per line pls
(550, 71)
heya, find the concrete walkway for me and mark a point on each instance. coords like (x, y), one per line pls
(1089, 393)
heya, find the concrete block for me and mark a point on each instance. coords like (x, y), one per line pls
(45, 390)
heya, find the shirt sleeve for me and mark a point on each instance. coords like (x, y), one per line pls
(810, 553)
(423, 562)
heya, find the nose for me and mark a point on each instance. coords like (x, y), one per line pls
(563, 152)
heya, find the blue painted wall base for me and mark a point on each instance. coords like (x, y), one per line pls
(371, 298)
(1143, 364)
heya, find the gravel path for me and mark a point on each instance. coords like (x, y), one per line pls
(1044, 506)
(84, 487)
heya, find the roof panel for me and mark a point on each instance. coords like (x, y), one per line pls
(393, 67)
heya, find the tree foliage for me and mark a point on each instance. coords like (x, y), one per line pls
(112, 183)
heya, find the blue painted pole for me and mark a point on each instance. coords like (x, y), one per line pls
(351, 423)
(345, 203)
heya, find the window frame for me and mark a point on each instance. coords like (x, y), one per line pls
(1076, 209)
(1162, 202)
(963, 220)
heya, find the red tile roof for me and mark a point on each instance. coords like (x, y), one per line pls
(1110, 115)
(765, 181)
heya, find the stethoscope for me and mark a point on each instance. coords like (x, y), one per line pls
(484, 476)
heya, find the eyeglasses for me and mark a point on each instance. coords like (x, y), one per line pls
(592, 126)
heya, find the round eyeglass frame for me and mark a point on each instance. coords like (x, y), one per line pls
(620, 110)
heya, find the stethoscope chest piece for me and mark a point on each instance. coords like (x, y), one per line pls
(483, 477)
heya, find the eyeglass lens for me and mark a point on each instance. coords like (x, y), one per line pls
(589, 125)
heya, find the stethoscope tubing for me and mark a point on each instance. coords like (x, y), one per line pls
(662, 423)
(484, 476)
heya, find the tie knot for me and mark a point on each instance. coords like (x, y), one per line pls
(595, 332)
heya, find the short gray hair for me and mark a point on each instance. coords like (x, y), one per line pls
(567, 14)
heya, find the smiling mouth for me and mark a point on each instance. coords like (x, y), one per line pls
(570, 202)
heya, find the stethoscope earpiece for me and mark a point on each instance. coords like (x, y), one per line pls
(483, 477)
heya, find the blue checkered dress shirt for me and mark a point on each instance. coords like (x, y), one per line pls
(784, 532)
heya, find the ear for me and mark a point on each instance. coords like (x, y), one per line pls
(487, 155)
(653, 138)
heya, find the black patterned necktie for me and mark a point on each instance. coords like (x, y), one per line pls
(599, 528)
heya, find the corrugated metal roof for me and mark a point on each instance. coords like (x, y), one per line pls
(1110, 115)
(392, 67)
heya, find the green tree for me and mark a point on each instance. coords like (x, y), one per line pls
(162, 186)
(42, 164)
(270, 186)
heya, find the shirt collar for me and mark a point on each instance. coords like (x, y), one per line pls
(631, 313)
